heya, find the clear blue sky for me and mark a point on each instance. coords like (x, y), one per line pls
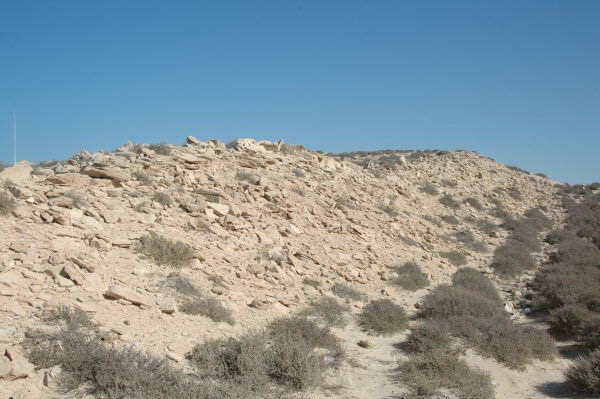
(518, 81)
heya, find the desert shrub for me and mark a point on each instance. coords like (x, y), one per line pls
(454, 257)
(311, 282)
(162, 198)
(517, 169)
(307, 330)
(584, 218)
(241, 360)
(383, 317)
(515, 193)
(345, 291)
(584, 375)
(329, 310)
(449, 201)
(79, 200)
(7, 203)
(537, 219)
(487, 227)
(247, 177)
(559, 285)
(450, 219)
(410, 277)
(165, 251)
(474, 280)
(430, 189)
(511, 259)
(208, 307)
(570, 320)
(556, 236)
(474, 202)
(511, 344)
(161, 148)
(299, 172)
(183, 286)
(526, 235)
(449, 183)
(427, 374)
(446, 302)
(428, 336)
(467, 238)
(85, 360)
(143, 177)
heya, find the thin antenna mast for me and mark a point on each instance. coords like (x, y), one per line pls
(14, 138)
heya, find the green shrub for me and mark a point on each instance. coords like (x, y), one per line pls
(7, 203)
(383, 317)
(410, 277)
(329, 310)
(165, 251)
(208, 307)
(427, 374)
(511, 259)
(584, 375)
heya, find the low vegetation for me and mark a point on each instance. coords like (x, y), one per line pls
(160, 148)
(346, 292)
(208, 307)
(410, 277)
(584, 375)
(328, 310)
(449, 201)
(472, 311)
(165, 251)
(7, 203)
(383, 317)
(430, 189)
(454, 257)
(474, 203)
(162, 198)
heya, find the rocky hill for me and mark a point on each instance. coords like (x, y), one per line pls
(263, 229)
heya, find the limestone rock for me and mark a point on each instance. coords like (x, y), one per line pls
(120, 292)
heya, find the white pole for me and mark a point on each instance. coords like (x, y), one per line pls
(14, 138)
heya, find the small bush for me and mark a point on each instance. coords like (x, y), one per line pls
(584, 375)
(161, 148)
(162, 198)
(299, 172)
(247, 177)
(536, 218)
(410, 277)
(446, 302)
(242, 360)
(345, 291)
(526, 234)
(383, 317)
(430, 189)
(474, 202)
(208, 307)
(85, 361)
(7, 203)
(511, 259)
(450, 219)
(467, 238)
(329, 310)
(311, 282)
(429, 336)
(449, 201)
(454, 257)
(427, 374)
(487, 227)
(165, 251)
(143, 177)
(183, 286)
(472, 279)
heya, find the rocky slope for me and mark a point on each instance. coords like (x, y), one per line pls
(262, 218)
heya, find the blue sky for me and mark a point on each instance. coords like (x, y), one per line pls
(518, 81)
